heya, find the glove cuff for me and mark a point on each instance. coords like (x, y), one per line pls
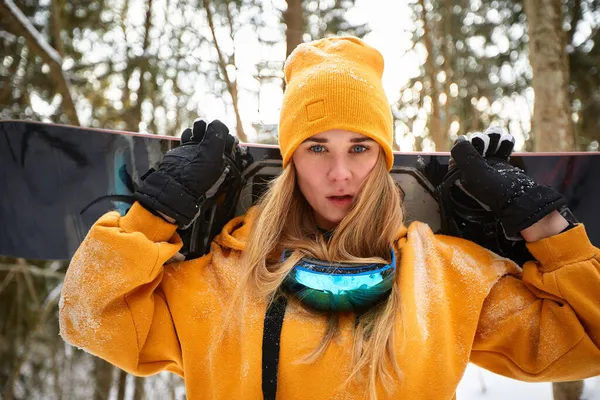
(161, 193)
(527, 209)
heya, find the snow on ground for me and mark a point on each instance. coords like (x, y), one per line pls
(501, 388)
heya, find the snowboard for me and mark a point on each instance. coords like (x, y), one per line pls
(55, 181)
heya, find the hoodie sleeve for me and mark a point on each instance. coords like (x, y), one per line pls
(546, 325)
(112, 304)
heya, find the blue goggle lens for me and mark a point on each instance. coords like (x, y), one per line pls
(340, 287)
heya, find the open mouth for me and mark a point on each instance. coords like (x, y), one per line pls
(345, 197)
(341, 200)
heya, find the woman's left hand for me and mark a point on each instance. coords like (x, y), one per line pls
(517, 201)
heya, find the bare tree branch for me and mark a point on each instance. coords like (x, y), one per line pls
(231, 86)
(33, 270)
(56, 26)
(172, 129)
(576, 17)
(24, 28)
(136, 112)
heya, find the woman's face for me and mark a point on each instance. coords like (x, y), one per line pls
(330, 169)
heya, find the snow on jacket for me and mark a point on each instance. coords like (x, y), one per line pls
(460, 303)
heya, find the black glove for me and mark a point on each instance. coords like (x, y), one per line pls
(188, 174)
(486, 176)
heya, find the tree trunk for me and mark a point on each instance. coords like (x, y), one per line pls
(551, 126)
(448, 44)
(435, 129)
(138, 393)
(121, 384)
(173, 128)
(126, 92)
(567, 390)
(295, 24)
(103, 377)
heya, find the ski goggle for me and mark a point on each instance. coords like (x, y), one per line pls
(340, 287)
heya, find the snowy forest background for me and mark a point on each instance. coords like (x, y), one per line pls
(156, 65)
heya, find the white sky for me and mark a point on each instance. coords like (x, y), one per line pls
(390, 35)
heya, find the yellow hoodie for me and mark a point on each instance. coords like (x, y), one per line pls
(460, 303)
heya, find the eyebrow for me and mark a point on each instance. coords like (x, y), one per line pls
(353, 140)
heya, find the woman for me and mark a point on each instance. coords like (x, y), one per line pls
(249, 319)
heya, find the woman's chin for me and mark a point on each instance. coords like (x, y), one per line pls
(330, 220)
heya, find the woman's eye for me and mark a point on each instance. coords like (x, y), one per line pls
(359, 148)
(317, 148)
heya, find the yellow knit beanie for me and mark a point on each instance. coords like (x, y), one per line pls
(334, 83)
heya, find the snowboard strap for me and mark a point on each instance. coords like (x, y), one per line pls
(270, 346)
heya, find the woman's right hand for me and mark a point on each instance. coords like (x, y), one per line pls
(188, 174)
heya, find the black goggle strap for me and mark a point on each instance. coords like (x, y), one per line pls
(270, 346)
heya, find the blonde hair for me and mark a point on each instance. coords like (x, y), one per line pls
(284, 222)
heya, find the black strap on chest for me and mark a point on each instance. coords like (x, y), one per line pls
(270, 346)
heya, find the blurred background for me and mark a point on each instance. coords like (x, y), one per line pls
(452, 67)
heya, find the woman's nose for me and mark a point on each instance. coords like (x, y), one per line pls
(339, 169)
